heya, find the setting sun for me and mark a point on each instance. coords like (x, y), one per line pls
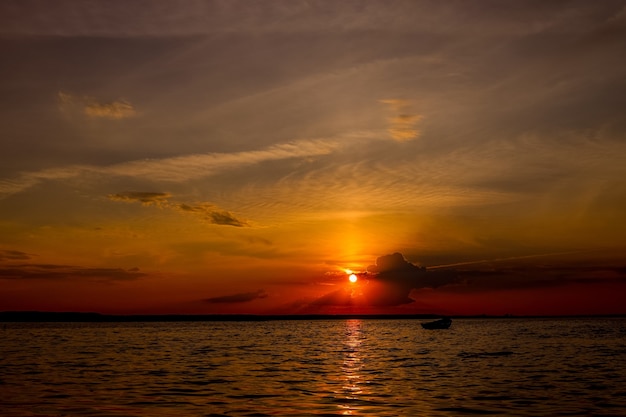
(306, 149)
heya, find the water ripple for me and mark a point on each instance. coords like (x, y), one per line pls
(321, 368)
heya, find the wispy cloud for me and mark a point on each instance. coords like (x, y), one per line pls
(237, 298)
(145, 198)
(14, 255)
(89, 106)
(114, 110)
(225, 218)
(180, 18)
(520, 170)
(403, 123)
(175, 169)
(61, 272)
(211, 213)
(205, 211)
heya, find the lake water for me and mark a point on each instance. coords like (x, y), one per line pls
(534, 367)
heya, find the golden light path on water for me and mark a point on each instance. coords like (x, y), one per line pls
(352, 364)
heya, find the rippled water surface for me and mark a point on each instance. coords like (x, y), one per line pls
(354, 367)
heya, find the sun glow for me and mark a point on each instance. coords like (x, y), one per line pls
(353, 278)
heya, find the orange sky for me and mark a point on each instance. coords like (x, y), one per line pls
(239, 157)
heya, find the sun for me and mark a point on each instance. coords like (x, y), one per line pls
(353, 278)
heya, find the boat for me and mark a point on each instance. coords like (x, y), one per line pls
(443, 323)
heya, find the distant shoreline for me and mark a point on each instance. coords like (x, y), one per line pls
(78, 317)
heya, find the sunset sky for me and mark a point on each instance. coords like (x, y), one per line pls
(460, 157)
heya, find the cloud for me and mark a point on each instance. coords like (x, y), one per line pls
(186, 18)
(393, 262)
(396, 277)
(89, 106)
(393, 281)
(536, 276)
(237, 298)
(14, 255)
(206, 211)
(114, 110)
(175, 169)
(396, 270)
(145, 198)
(402, 125)
(400, 277)
(225, 218)
(388, 283)
(60, 272)
(211, 213)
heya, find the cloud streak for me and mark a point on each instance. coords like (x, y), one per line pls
(185, 18)
(90, 107)
(175, 169)
(206, 211)
(237, 298)
(403, 124)
(62, 272)
(145, 198)
(14, 255)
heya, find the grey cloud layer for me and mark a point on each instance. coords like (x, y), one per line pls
(177, 18)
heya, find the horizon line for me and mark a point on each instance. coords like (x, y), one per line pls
(87, 317)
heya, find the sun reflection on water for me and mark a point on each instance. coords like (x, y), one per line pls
(352, 379)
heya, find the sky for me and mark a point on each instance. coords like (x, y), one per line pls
(231, 157)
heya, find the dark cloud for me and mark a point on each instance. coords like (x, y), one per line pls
(393, 262)
(194, 209)
(537, 277)
(14, 255)
(237, 298)
(225, 218)
(60, 272)
(393, 281)
(388, 283)
(212, 214)
(397, 271)
(207, 211)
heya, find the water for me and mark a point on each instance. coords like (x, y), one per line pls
(355, 367)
